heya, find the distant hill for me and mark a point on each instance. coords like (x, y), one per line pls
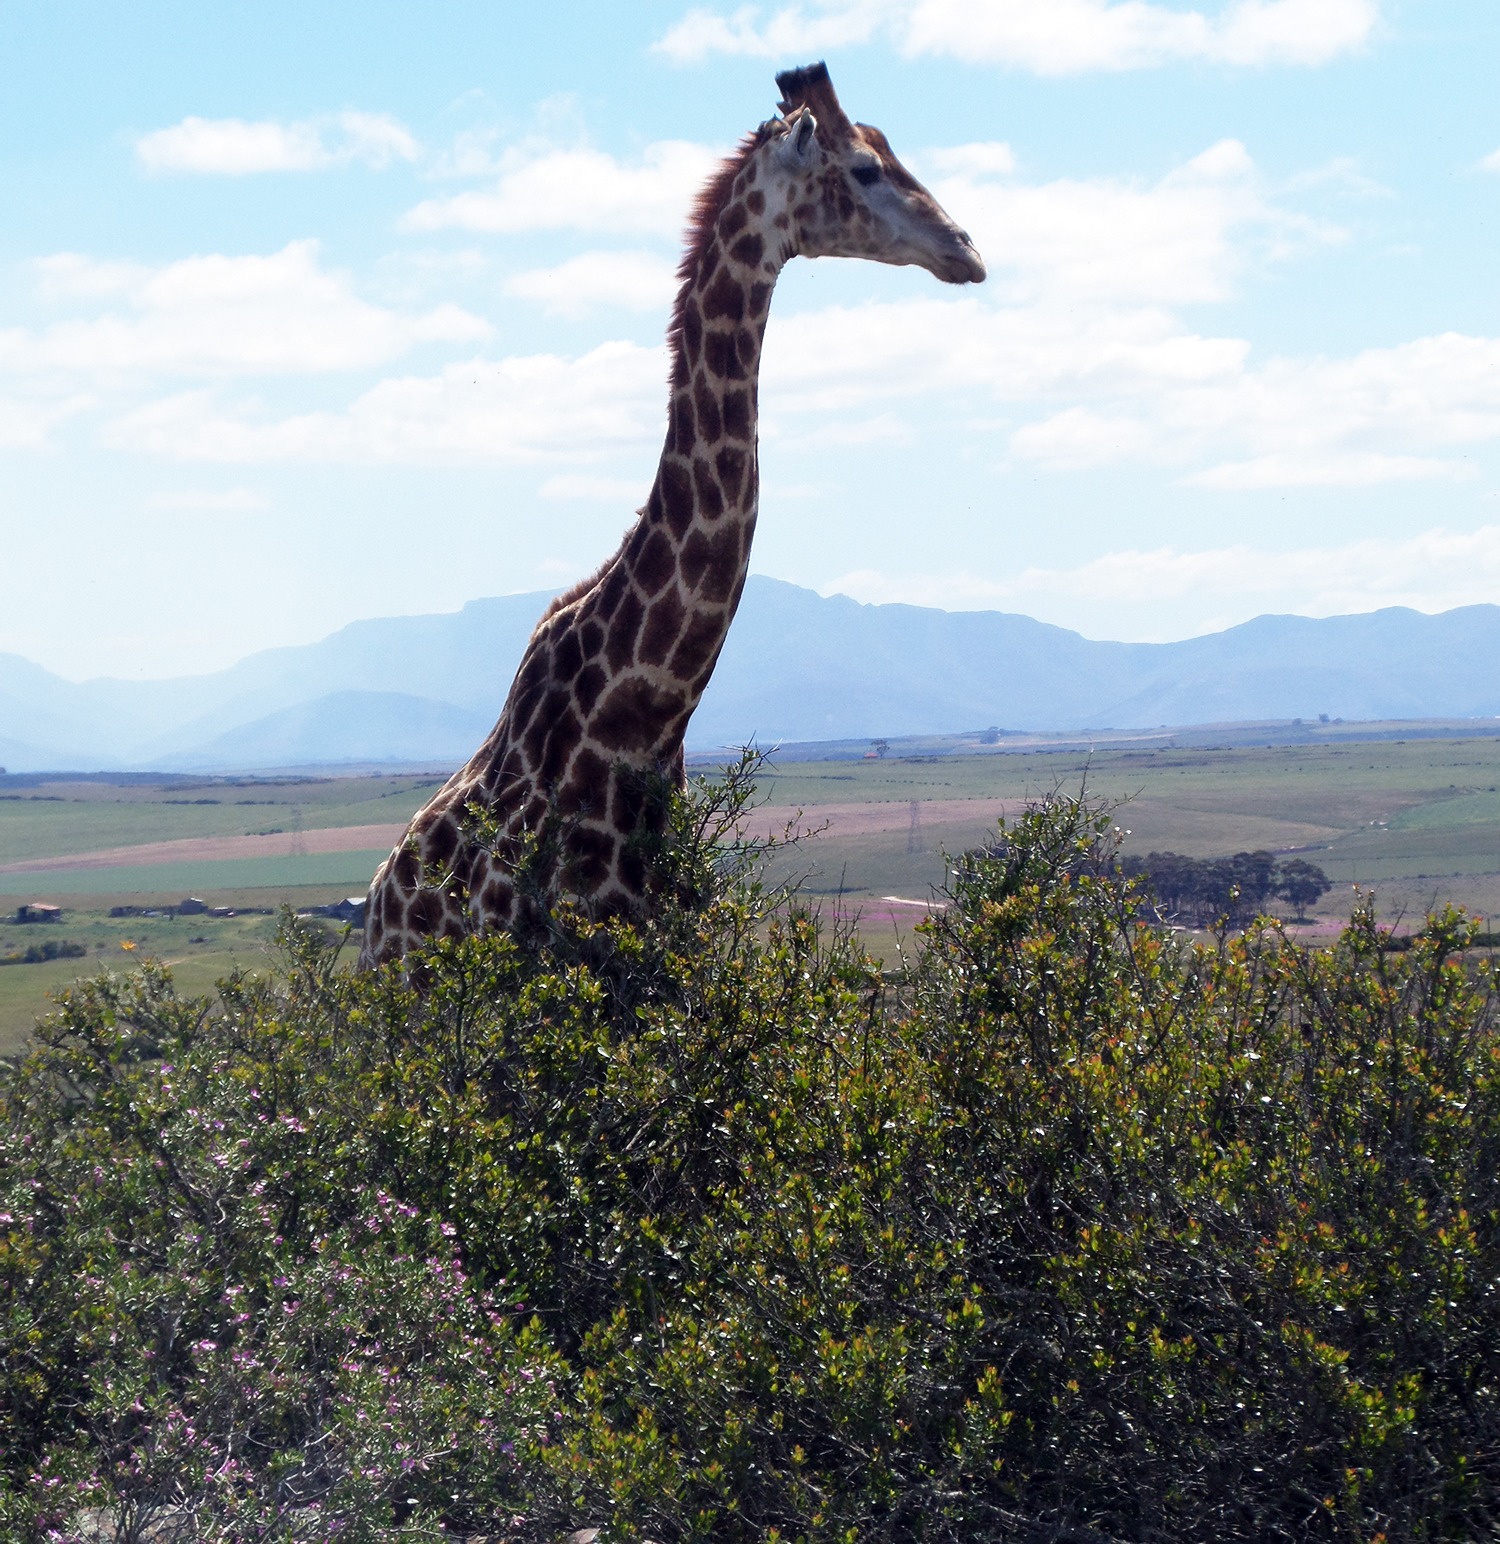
(797, 666)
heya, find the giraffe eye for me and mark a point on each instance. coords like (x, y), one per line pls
(867, 173)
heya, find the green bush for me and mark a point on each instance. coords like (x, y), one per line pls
(704, 1227)
(51, 949)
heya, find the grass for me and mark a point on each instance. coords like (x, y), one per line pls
(201, 950)
(1418, 820)
(58, 818)
(350, 871)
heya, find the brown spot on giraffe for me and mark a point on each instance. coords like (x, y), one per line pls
(593, 713)
(748, 250)
(567, 658)
(589, 858)
(624, 625)
(737, 415)
(691, 329)
(732, 465)
(588, 777)
(439, 842)
(710, 495)
(724, 299)
(710, 562)
(557, 748)
(613, 589)
(586, 689)
(721, 355)
(629, 713)
(696, 646)
(682, 433)
(677, 498)
(591, 637)
(655, 562)
(710, 414)
(662, 630)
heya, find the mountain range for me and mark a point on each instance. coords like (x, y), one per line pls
(798, 666)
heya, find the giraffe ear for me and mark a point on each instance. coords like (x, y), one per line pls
(796, 147)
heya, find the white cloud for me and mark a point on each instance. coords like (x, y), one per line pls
(25, 422)
(207, 499)
(636, 281)
(1048, 37)
(787, 32)
(569, 486)
(1080, 335)
(526, 409)
(1065, 37)
(543, 188)
(1183, 239)
(214, 315)
(1086, 345)
(1130, 384)
(1374, 417)
(1126, 593)
(233, 147)
(848, 358)
(983, 158)
(1491, 163)
(1342, 177)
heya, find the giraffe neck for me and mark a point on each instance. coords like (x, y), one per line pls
(690, 552)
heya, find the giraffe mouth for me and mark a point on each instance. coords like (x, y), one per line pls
(947, 254)
(960, 262)
(965, 266)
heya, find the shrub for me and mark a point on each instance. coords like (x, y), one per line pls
(703, 1227)
(51, 949)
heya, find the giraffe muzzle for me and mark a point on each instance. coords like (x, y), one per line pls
(966, 266)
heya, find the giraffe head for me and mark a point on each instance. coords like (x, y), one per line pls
(845, 194)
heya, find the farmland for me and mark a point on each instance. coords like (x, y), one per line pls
(1416, 820)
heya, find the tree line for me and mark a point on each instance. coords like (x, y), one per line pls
(1237, 889)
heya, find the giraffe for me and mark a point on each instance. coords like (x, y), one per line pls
(618, 663)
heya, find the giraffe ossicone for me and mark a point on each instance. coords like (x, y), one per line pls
(616, 665)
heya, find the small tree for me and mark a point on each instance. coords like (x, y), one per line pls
(1302, 883)
(882, 748)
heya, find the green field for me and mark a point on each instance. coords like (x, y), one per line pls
(1416, 820)
(40, 820)
(200, 949)
(347, 872)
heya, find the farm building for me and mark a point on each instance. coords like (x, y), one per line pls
(38, 911)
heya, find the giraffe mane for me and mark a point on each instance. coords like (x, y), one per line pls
(583, 586)
(707, 208)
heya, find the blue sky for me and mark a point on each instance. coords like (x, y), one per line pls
(314, 312)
